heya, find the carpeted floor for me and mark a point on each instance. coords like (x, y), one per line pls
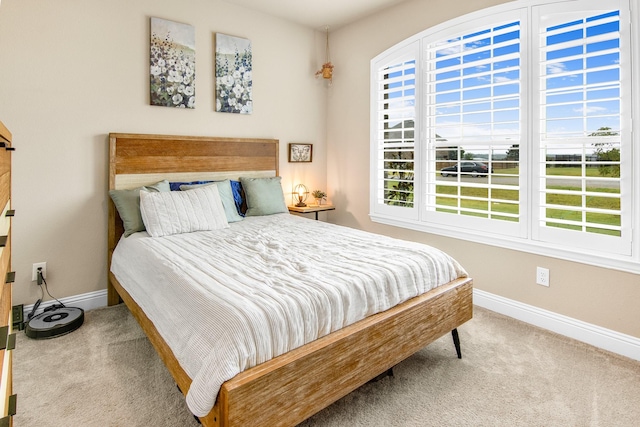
(107, 374)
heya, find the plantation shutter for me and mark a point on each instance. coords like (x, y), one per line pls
(395, 134)
(473, 112)
(584, 139)
(512, 127)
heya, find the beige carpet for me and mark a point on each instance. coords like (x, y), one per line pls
(107, 374)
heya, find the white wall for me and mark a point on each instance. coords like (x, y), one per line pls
(597, 296)
(74, 70)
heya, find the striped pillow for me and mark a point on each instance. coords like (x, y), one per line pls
(178, 212)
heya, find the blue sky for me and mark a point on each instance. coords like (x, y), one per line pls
(582, 81)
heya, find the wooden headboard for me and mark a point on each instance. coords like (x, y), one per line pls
(140, 159)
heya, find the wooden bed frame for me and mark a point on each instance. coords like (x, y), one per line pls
(292, 387)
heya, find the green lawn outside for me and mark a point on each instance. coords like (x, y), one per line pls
(500, 199)
(568, 171)
(498, 195)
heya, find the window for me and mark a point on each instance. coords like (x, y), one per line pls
(512, 126)
(473, 112)
(398, 140)
(580, 129)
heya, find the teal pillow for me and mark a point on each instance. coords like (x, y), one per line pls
(226, 195)
(264, 196)
(128, 205)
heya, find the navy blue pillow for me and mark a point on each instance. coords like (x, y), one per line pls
(175, 186)
(238, 197)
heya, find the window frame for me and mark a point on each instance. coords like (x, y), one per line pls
(525, 238)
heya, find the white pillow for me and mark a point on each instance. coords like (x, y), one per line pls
(226, 195)
(179, 212)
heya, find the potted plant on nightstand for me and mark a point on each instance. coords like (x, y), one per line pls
(319, 195)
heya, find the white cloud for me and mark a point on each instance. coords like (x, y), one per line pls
(502, 79)
(556, 68)
(589, 110)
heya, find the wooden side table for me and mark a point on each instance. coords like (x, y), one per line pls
(312, 208)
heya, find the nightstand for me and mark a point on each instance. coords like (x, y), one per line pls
(312, 208)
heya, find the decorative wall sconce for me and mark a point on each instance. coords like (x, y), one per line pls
(327, 68)
(300, 192)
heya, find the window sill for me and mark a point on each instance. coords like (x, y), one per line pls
(598, 259)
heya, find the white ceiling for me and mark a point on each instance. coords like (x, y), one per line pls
(318, 14)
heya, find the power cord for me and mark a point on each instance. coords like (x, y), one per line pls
(36, 305)
(41, 281)
(52, 307)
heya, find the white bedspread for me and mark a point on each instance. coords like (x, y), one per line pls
(229, 299)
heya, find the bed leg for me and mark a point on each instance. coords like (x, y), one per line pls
(456, 342)
(113, 298)
(196, 417)
(387, 373)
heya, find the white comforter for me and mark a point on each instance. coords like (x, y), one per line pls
(227, 300)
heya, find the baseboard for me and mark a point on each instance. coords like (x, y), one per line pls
(596, 336)
(86, 302)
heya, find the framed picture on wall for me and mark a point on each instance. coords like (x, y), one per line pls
(173, 64)
(234, 84)
(300, 152)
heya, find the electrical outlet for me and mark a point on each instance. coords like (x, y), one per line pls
(542, 276)
(17, 315)
(34, 272)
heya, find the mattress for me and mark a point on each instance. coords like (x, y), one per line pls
(227, 300)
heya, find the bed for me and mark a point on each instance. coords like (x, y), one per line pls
(293, 386)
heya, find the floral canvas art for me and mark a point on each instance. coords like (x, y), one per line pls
(173, 64)
(233, 75)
